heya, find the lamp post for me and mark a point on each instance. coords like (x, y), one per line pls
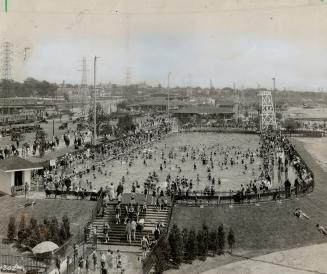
(95, 104)
(168, 87)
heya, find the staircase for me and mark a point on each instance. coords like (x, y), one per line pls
(117, 232)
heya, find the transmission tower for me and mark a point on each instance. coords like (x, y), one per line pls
(128, 77)
(268, 117)
(6, 60)
(83, 89)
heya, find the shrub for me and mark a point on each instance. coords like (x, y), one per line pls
(11, 234)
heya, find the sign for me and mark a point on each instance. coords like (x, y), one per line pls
(10, 268)
(53, 162)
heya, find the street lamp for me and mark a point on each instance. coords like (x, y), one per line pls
(95, 104)
(168, 87)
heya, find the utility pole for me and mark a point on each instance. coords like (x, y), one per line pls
(274, 83)
(95, 104)
(168, 87)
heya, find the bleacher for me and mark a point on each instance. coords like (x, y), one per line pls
(117, 232)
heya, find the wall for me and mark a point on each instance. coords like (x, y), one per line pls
(6, 180)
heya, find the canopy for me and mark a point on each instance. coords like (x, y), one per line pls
(44, 247)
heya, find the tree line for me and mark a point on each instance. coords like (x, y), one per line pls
(30, 87)
(184, 246)
(32, 233)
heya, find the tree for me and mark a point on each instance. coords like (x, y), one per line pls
(101, 117)
(201, 245)
(54, 233)
(205, 240)
(213, 240)
(185, 241)
(176, 245)
(34, 236)
(11, 234)
(221, 240)
(21, 234)
(66, 226)
(291, 125)
(231, 240)
(125, 124)
(161, 254)
(191, 246)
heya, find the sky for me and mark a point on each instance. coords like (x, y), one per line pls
(241, 42)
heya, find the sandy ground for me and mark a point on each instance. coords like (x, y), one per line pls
(308, 112)
(317, 147)
(310, 259)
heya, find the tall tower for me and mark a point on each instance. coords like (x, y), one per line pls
(6, 60)
(128, 77)
(83, 89)
(268, 117)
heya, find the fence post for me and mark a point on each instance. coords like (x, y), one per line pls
(67, 264)
(230, 196)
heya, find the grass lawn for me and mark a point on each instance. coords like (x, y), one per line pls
(271, 226)
(78, 212)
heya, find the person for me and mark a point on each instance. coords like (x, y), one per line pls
(102, 259)
(154, 197)
(80, 265)
(129, 232)
(58, 262)
(95, 259)
(300, 214)
(103, 270)
(106, 232)
(144, 246)
(157, 233)
(109, 260)
(321, 229)
(118, 213)
(87, 264)
(133, 229)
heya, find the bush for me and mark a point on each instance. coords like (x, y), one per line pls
(185, 241)
(161, 254)
(191, 246)
(205, 241)
(21, 234)
(221, 240)
(213, 240)
(231, 240)
(176, 245)
(11, 234)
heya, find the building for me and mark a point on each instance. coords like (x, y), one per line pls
(14, 173)
(197, 113)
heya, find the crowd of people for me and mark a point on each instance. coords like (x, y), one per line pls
(92, 160)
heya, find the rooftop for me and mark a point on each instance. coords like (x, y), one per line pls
(205, 110)
(16, 164)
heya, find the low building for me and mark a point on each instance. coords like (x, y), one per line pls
(194, 113)
(15, 172)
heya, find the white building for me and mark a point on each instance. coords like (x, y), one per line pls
(15, 173)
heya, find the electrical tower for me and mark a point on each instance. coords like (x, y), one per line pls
(268, 117)
(83, 89)
(6, 60)
(128, 77)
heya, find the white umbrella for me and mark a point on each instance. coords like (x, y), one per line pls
(44, 247)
